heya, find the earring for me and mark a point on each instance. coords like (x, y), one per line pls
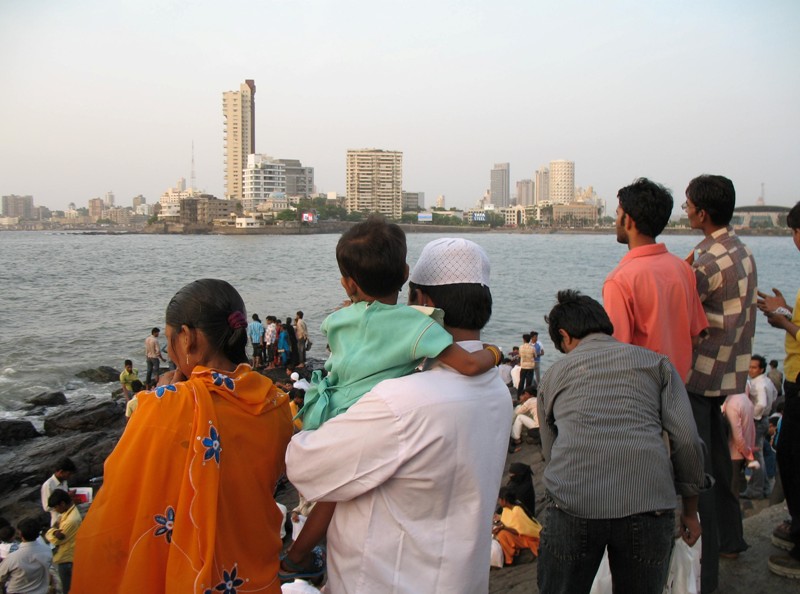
(187, 359)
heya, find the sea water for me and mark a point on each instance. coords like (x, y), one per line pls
(72, 301)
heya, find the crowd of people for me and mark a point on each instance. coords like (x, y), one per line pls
(398, 445)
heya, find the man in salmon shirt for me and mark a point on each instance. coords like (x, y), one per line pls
(651, 296)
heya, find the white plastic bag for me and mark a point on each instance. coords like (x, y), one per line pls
(602, 581)
(684, 568)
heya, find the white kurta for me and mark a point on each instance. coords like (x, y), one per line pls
(415, 466)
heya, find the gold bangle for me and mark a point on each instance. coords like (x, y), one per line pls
(496, 352)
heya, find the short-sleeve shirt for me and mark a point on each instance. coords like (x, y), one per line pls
(255, 330)
(127, 379)
(527, 356)
(652, 301)
(370, 342)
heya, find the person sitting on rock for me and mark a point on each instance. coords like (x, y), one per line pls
(514, 529)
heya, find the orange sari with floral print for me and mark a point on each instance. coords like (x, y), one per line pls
(187, 502)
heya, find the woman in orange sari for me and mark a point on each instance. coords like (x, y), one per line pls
(187, 503)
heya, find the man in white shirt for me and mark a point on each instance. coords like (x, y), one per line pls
(28, 568)
(58, 480)
(418, 459)
(762, 394)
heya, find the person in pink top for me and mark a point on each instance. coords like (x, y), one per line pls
(738, 409)
(651, 296)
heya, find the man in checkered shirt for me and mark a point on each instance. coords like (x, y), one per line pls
(726, 281)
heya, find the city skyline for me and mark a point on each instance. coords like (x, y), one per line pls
(110, 98)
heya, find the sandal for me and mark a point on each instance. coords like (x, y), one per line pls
(293, 571)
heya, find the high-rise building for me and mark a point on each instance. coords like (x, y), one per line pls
(413, 200)
(440, 201)
(239, 111)
(138, 201)
(108, 201)
(262, 176)
(18, 206)
(500, 182)
(525, 192)
(541, 186)
(96, 207)
(299, 179)
(375, 182)
(562, 181)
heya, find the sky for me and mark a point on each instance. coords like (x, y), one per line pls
(105, 95)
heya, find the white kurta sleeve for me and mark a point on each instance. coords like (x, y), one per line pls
(348, 455)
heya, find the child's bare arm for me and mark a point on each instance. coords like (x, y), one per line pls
(468, 363)
(313, 531)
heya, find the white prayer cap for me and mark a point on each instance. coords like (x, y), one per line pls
(451, 261)
(295, 376)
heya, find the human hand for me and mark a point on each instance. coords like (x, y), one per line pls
(690, 528)
(690, 258)
(769, 303)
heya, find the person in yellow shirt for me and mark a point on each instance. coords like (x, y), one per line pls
(62, 535)
(514, 529)
(295, 404)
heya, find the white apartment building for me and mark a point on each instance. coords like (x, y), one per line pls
(171, 199)
(562, 182)
(239, 137)
(374, 180)
(262, 177)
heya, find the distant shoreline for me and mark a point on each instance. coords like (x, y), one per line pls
(336, 227)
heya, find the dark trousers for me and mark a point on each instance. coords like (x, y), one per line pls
(572, 548)
(719, 510)
(525, 379)
(153, 370)
(788, 454)
(65, 574)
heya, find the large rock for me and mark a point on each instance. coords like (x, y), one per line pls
(101, 375)
(98, 416)
(14, 430)
(48, 399)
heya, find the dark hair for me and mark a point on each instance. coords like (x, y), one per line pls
(579, 315)
(58, 496)
(155, 330)
(793, 218)
(300, 314)
(508, 494)
(288, 321)
(714, 194)
(255, 317)
(206, 304)
(297, 392)
(467, 306)
(773, 363)
(137, 386)
(6, 533)
(29, 528)
(526, 337)
(530, 390)
(373, 254)
(762, 362)
(649, 205)
(66, 464)
(128, 362)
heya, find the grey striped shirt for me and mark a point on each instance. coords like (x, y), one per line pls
(602, 410)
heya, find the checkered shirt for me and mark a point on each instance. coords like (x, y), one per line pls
(726, 281)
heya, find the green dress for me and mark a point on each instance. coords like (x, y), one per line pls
(370, 342)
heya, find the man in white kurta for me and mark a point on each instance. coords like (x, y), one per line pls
(415, 464)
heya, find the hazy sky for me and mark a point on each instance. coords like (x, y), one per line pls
(102, 95)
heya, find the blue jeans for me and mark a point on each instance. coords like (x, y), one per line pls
(65, 574)
(571, 549)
